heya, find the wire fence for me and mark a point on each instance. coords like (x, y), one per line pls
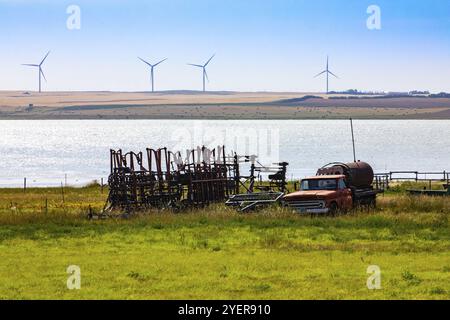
(49, 182)
(384, 179)
(380, 178)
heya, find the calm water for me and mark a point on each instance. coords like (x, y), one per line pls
(50, 152)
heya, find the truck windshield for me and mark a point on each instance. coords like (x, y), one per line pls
(319, 184)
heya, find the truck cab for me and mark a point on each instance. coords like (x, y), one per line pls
(321, 194)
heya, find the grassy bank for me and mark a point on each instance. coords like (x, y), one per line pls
(217, 253)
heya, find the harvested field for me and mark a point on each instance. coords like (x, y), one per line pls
(216, 105)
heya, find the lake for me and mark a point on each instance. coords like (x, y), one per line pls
(48, 152)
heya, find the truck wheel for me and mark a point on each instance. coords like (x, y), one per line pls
(373, 203)
(333, 208)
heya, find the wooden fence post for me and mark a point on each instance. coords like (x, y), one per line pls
(62, 192)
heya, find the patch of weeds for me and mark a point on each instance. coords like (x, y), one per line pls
(224, 272)
(201, 244)
(410, 278)
(312, 277)
(270, 241)
(182, 239)
(158, 226)
(262, 287)
(393, 282)
(437, 290)
(137, 276)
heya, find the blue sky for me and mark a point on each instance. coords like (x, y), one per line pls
(261, 45)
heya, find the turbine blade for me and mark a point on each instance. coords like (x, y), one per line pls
(42, 72)
(332, 74)
(145, 62)
(44, 58)
(31, 65)
(195, 65)
(160, 62)
(320, 73)
(206, 74)
(209, 60)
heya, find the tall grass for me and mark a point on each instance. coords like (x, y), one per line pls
(49, 205)
(414, 204)
(216, 252)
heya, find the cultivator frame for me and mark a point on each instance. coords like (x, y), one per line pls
(167, 180)
(164, 179)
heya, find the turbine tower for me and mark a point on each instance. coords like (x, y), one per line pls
(328, 72)
(205, 74)
(152, 73)
(40, 69)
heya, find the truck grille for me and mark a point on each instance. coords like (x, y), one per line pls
(305, 205)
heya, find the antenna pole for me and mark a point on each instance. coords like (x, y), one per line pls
(353, 140)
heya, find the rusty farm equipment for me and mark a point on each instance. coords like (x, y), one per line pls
(267, 193)
(163, 179)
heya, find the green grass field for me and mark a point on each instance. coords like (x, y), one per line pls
(216, 253)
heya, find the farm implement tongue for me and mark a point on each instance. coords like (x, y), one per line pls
(162, 179)
(432, 193)
(251, 201)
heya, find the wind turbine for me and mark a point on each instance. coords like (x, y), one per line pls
(152, 66)
(40, 69)
(328, 72)
(205, 74)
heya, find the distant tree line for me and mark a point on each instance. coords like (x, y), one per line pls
(415, 93)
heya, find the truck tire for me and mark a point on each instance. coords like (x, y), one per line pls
(333, 208)
(373, 203)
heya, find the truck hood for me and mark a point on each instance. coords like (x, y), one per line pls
(310, 195)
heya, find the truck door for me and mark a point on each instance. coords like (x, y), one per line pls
(345, 196)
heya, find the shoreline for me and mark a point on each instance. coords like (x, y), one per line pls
(368, 116)
(211, 118)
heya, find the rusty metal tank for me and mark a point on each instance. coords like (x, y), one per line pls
(359, 174)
